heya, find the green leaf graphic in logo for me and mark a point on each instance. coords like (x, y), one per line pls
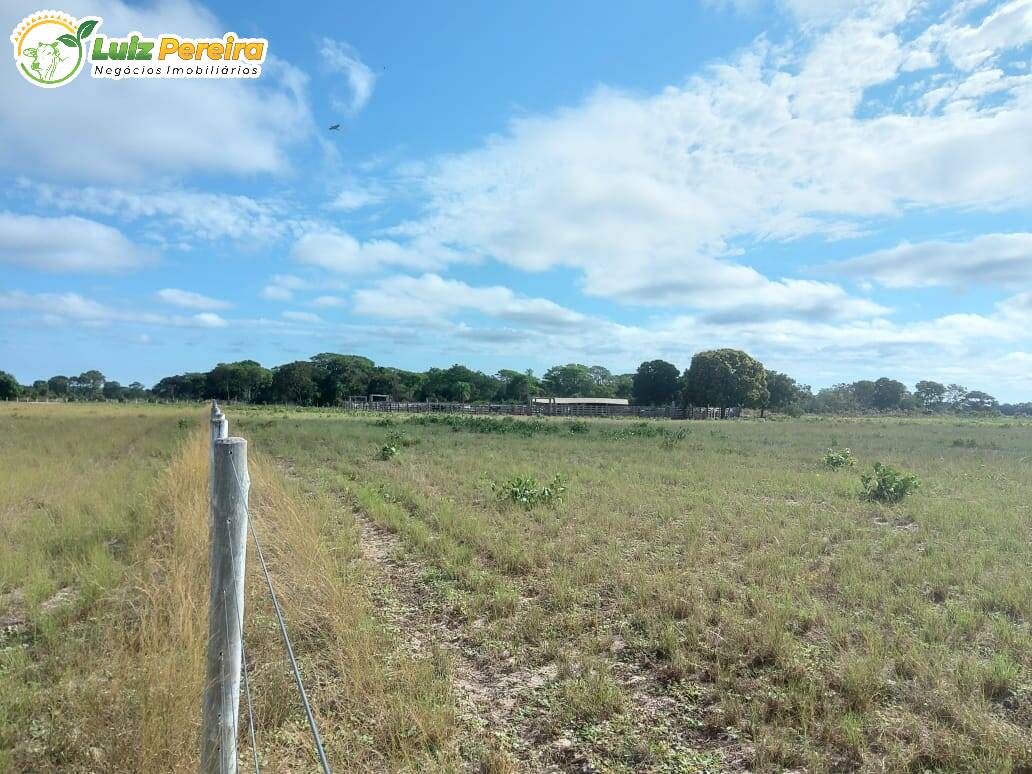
(85, 29)
(69, 41)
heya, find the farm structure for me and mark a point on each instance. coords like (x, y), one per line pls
(559, 407)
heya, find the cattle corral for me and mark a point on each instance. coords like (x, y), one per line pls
(543, 407)
(703, 596)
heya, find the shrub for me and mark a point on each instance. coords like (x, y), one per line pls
(398, 439)
(671, 441)
(387, 451)
(839, 458)
(488, 424)
(967, 443)
(528, 492)
(887, 484)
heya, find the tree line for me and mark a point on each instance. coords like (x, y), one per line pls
(724, 378)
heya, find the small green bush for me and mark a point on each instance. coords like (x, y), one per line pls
(528, 492)
(887, 484)
(398, 438)
(966, 443)
(393, 443)
(839, 458)
(489, 424)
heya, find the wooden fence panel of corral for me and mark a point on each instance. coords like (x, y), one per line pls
(543, 409)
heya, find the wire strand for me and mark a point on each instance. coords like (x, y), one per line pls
(317, 739)
(290, 654)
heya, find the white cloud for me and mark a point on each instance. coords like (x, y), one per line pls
(67, 244)
(209, 320)
(1008, 26)
(650, 197)
(357, 194)
(59, 308)
(190, 214)
(431, 296)
(302, 317)
(190, 300)
(276, 293)
(329, 301)
(343, 58)
(133, 129)
(281, 287)
(340, 252)
(989, 259)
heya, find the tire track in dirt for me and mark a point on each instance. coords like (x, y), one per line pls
(487, 692)
(493, 695)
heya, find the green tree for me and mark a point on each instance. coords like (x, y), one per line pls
(295, 383)
(516, 387)
(461, 391)
(9, 387)
(954, 397)
(863, 393)
(604, 382)
(837, 399)
(784, 393)
(978, 402)
(725, 378)
(930, 396)
(655, 383)
(188, 386)
(113, 391)
(443, 384)
(385, 381)
(88, 385)
(889, 394)
(568, 381)
(341, 376)
(243, 380)
(58, 385)
(623, 386)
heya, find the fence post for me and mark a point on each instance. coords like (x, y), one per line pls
(225, 607)
(219, 429)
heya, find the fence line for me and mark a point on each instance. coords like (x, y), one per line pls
(229, 524)
(544, 409)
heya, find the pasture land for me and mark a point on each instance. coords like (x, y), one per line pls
(702, 596)
(706, 595)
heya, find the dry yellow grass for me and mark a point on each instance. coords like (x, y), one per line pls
(126, 695)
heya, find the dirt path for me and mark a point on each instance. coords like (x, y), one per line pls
(496, 695)
(487, 692)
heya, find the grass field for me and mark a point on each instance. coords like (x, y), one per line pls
(786, 622)
(700, 596)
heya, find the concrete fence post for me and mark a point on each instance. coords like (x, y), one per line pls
(225, 607)
(219, 429)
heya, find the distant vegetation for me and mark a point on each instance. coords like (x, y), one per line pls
(724, 378)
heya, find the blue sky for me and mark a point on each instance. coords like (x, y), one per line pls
(839, 188)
